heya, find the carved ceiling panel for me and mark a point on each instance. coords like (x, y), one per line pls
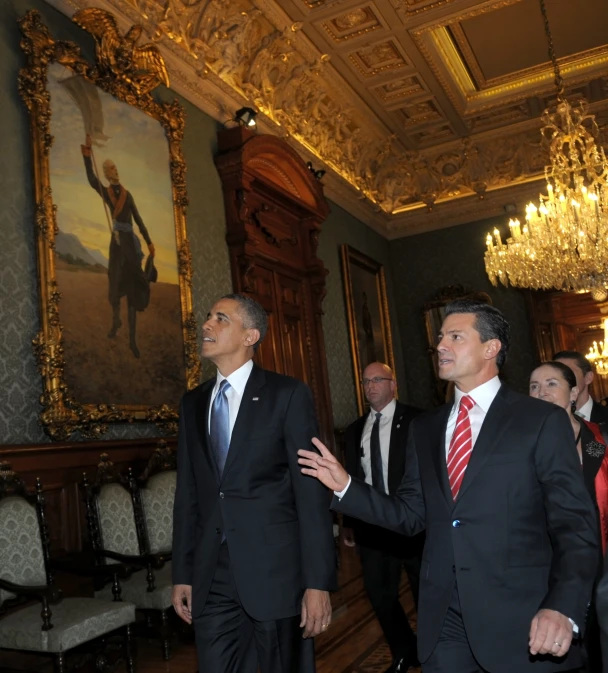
(408, 104)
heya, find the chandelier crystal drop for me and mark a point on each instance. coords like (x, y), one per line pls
(564, 241)
(598, 354)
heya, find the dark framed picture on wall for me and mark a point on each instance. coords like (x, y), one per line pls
(117, 339)
(368, 316)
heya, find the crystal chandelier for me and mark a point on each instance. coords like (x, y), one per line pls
(598, 355)
(564, 242)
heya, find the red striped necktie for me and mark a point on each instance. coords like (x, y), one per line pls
(461, 445)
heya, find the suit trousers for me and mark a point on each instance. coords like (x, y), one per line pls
(381, 577)
(228, 640)
(452, 654)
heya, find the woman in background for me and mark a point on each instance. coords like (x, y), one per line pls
(555, 382)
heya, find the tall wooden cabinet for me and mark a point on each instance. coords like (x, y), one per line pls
(274, 211)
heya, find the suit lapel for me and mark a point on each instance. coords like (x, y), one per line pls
(436, 434)
(202, 424)
(497, 420)
(359, 445)
(244, 419)
(396, 449)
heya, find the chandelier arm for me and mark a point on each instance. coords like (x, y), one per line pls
(559, 82)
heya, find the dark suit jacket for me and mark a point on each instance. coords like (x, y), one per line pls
(599, 413)
(368, 535)
(521, 535)
(277, 521)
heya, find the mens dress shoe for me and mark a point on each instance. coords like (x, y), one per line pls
(403, 665)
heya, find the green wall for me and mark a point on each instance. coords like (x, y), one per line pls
(20, 383)
(339, 228)
(423, 264)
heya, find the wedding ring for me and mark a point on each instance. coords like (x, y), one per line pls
(324, 625)
(558, 644)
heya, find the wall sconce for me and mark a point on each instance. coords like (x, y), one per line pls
(317, 173)
(245, 117)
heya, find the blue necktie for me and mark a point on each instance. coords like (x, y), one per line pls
(220, 426)
(376, 456)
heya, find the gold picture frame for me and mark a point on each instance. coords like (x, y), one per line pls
(125, 74)
(369, 324)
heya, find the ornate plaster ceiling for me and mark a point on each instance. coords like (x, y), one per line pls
(426, 113)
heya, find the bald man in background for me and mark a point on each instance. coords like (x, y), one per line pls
(375, 452)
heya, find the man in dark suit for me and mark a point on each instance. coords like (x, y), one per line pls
(374, 451)
(253, 549)
(511, 541)
(586, 406)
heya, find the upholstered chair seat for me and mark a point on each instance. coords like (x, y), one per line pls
(75, 621)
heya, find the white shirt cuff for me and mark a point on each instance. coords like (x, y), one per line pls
(574, 625)
(341, 494)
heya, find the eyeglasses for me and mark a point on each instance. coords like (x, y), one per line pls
(376, 380)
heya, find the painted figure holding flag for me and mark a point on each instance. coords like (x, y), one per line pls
(125, 274)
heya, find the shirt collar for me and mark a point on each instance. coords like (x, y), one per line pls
(483, 395)
(387, 413)
(238, 379)
(585, 410)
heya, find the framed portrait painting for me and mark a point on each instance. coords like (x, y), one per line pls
(117, 340)
(368, 316)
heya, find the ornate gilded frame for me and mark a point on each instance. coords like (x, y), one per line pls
(351, 257)
(124, 79)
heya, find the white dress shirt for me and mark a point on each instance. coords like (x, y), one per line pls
(585, 410)
(386, 423)
(237, 380)
(483, 396)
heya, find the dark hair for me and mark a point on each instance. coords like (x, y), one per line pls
(253, 314)
(565, 371)
(579, 358)
(489, 322)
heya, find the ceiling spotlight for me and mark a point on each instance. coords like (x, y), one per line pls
(317, 173)
(245, 116)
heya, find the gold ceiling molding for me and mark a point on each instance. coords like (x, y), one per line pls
(452, 61)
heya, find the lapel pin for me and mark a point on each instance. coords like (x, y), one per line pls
(398, 425)
(255, 399)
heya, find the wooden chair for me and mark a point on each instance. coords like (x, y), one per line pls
(26, 574)
(117, 528)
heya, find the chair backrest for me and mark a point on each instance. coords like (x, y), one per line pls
(110, 512)
(157, 498)
(23, 545)
(157, 490)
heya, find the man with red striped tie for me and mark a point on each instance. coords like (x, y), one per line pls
(494, 478)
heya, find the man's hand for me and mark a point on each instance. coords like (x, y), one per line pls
(316, 612)
(550, 633)
(151, 249)
(182, 601)
(348, 538)
(324, 467)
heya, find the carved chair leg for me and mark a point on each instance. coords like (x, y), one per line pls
(165, 634)
(129, 650)
(60, 663)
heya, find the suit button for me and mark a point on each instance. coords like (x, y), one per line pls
(218, 531)
(221, 495)
(456, 523)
